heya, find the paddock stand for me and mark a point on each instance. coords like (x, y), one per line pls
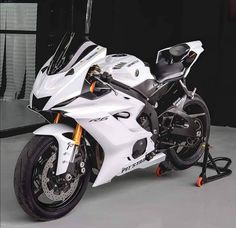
(211, 163)
(208, 163)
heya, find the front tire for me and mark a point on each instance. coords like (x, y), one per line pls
(24, 183)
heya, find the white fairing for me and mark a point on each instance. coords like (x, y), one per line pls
(62, 87)
(116, 136)
(127, 69)
(195, 46)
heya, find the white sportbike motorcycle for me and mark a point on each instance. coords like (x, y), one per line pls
(108, 115)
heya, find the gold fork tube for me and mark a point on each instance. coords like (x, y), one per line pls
(57, 118)
(77, 134)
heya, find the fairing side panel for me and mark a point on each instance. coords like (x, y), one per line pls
(116, 136)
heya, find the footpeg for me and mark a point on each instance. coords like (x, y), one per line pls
(150, 155)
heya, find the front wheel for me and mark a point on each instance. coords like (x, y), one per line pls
(42, 194)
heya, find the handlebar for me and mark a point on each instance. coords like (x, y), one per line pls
(106, 79)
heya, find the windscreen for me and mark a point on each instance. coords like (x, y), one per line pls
(64, 57)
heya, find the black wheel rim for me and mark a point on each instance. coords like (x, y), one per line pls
(193, 145)
(38, 191)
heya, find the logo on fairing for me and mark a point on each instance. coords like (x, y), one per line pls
(128, 168)
(99, 119)
(69, 144)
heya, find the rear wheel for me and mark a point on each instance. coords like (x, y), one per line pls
(40, 192)
(188, 150)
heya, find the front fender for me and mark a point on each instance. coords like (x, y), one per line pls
(65, 145)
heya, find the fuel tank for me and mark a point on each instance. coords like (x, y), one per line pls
(126, 69)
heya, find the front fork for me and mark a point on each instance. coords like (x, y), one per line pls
(78, 129)
(74, 146)
(77, 132)
(77, 144)
(77, 135)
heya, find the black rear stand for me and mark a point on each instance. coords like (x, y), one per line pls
(211, 163)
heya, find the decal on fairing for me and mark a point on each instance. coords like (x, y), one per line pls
(99, 119)
(128, 168)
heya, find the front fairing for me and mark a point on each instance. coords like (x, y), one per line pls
(53, 89)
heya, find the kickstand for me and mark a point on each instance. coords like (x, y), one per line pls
(211, 163)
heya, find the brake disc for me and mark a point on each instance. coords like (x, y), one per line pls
(52, 194)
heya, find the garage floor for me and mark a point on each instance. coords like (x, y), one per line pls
(14, 113)
(138, 199)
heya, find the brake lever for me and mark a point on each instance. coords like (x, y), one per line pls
(106, 84)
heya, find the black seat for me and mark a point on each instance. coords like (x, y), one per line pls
(169, 72)
(147, 88)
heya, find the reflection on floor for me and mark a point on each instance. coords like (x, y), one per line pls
(138, 199)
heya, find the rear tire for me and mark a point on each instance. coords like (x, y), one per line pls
(176, 159)
(23, 182)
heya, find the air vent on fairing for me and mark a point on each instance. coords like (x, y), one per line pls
(119, 55)
(39, 103)
(119, 65)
